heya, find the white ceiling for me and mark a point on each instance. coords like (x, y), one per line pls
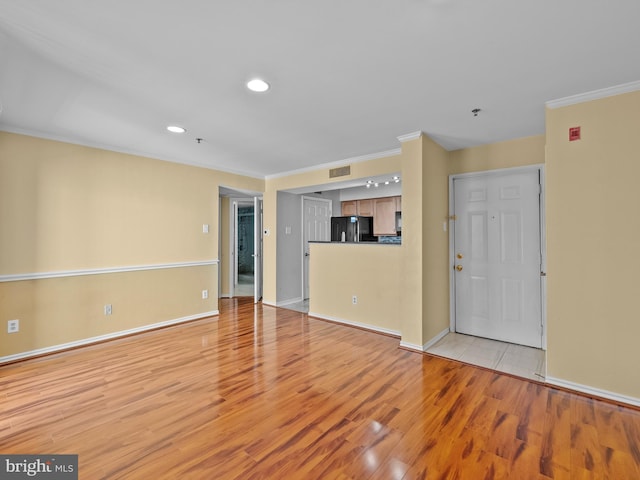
(348, 76)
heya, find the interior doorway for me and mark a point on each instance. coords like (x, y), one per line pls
(243, 265)
(316, 225)
(240, 244)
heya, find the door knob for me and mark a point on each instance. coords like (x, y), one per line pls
(459, 268)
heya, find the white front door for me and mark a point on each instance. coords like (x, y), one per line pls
(316, 222)
(497, 256)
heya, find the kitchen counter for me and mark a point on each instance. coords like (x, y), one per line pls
(355, 243)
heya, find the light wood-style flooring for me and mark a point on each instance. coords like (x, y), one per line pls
(266, 393)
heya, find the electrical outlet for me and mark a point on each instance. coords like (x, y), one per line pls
(205, 228)
(107, 309)
(13, 326)
(354, 299)
(205, 294)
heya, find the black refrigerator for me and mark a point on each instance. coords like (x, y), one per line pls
(352, 229)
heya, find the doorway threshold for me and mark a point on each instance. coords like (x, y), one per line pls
(526, 362)
(301, 306)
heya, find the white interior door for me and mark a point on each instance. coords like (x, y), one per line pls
(316, 224)
(497, 257)
(257, 249)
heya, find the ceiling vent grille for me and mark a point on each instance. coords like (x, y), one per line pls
(340, 171)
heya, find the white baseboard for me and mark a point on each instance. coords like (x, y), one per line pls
(365, 326)
(435, 339)
(289, 302)
(102, 338)
(411, 346)
(593, 391)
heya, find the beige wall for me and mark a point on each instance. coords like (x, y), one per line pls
(513, 153)
(593, 231)
(422, 292)
(65, 207)
(359, 170)
(56, 311)
(435, 240)
(371, 272)
(412, 281)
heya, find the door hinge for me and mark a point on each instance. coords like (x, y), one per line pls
(453, 217)
(543, 274)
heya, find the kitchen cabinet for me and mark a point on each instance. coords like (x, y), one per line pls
(349, 208)
(383, 210)
(384, 216)
(365, 207)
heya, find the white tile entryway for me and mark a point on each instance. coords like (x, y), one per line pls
(517, 360)
(301, 306)
(244, 288)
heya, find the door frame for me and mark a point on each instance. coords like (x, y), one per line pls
(539, 168)
(233, 240)
(305, 198)
(257, 248)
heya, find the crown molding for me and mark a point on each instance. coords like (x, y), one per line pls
(594, 95)
(339, 163)
(410, 136)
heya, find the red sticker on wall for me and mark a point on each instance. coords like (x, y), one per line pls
(574, 134)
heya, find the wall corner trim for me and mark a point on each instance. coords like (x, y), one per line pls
(592, 391)
(435, 339)
(411, 346)
(410, 136)
(594, 95)
(101, 338)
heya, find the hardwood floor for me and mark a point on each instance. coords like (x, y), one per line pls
(267, 393)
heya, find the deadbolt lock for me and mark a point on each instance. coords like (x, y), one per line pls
(459, 256)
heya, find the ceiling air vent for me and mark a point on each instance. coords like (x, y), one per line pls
(340, 171)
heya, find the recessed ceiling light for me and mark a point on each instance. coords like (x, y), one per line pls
(176, 129)
(257, 85)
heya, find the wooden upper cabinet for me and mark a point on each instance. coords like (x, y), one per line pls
(383, 210)
(384, 216)
(365, 207)
(349, 208)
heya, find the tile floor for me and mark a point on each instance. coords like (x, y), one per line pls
(244, 288)
(302, 306)
(517, 360)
